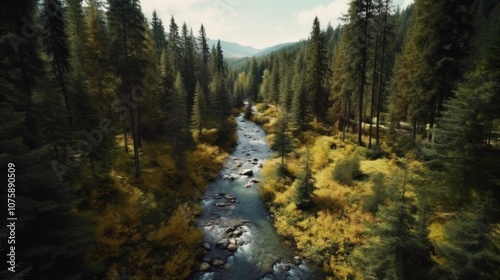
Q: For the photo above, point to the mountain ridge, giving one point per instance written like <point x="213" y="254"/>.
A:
<point x="236" y="50"/>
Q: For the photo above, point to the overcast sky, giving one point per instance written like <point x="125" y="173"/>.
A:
<point x="256" y="23"/>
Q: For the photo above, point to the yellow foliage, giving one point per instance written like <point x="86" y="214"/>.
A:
<point x="320" y="152"/>
<point x="373" y="166"/>
<point x="151" y="248"/>
<point x="179" y="229"/>
<point x="436" y="233"/>
<point x="180" y="266"/>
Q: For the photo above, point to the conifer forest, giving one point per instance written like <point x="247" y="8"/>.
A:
<point x="133" y="147"/>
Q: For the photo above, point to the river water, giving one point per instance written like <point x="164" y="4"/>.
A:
<point x="234" y="213"/>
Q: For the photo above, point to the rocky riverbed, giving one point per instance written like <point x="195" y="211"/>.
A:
<point x="240" y="241"/>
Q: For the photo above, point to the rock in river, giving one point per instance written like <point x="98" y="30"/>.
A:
<point x="223" y="243"/>
<point x="217" y="262"/>
<point x="247" y="172"/>
<point x="206" y="246"/>
<point x="232" y="247"/>
<point x="237" y="232"/>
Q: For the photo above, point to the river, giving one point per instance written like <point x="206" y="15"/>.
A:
<point x="240" y="238"/>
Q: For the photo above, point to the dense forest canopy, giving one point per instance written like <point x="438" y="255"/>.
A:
<point x="385" y="127"/>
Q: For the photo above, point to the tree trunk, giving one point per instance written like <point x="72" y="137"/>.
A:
<point x="374" y="86"/>
<point x="125" y="139"/>
<point x="363" y="77"/>
<point x="133" y="123"/>
<point x="381" y="80"/>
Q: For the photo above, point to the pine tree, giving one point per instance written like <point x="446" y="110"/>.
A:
<point x="274" y="81"/>
<point x="460" y="140"/>
<point x="305" y="185"/>
<point x="52" y="238"/>
<point x="341" y="87"/>
<point x="204" y="61"/>
<point x="317" y="72"/>
<point x="101" y="81"/>
<point x="55" y="238"/>
<point x="300" y="110"/>
<point x="56" y="48"/>
<point x="387" y="35"/>
<point x="252" y="81"/>
<point x="199" y="109"/>
<point x="126" y="25"/>
<point x="283" y="141"/>
<point x="441" y="35"/>
<point x="174" y="45"/>
<point x="470" y="249"/>
<point x="392" y="250"/>
<point x="160" y="41"/>
<point x="188" y="64"/>
<point x="285" y="86"/>
<point x="358" y="26"/>
<point x="20" y="59"/>
<point x="177" y="124"/>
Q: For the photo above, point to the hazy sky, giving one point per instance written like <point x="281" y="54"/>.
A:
<point x="256" y="23"/>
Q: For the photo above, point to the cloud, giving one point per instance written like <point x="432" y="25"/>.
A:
<point x="329" y="13"/>
<point x="406" y="3"/>
<point x="215" y="15"/>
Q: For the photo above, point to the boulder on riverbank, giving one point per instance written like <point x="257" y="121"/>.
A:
<point x="204" y="266"/>
<point x="218" y="262"/>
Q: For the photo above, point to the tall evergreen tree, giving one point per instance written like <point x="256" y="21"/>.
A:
<point x="341" y="87"/>
<point x="177" y="124"/>
<point x="174" y="45"/>
<point x="300" y="110"/>
<point x="392" y="249"/>
<point x="283" y="141"/>
<point x="188" y="64"/>
<point x="56" y="47"/>
<point x="305" y="185"/>
<point x="52" y="239"/>
<point x="159" y="36"/>
<point x="317" y="72"/>
<point x="470" y="249"/>
<point x="204" y="61"/>
<point x="126" y="25"/>
<point x="199" y="109"/>
<point x="441" y="35"/>
<point x="252" y="81"/>
<point x="358" y="28"/>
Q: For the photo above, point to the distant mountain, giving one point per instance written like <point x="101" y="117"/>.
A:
<point x="269" y="50"/>
<point x="235" y="50"/>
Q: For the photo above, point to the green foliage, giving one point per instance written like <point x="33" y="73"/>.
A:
<point x="305" y="185"/>
<point x="470" y="249"/>
<point x="300" y="110"/>
<point x="317" y="72"/>
<point x="282" y="141"/>
<point x="347" y="169"/>
<point x="199" y="110"/>
<point x="379" y="194"/>
<point x="375" y="152"/>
